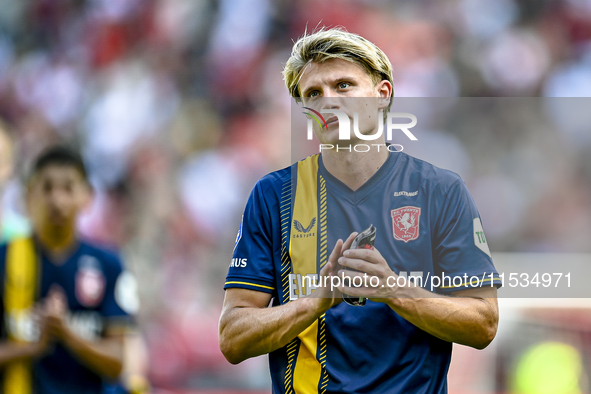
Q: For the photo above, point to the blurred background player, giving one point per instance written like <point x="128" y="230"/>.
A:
<point x="12" y="224"/>
<point x="64" y="314"/>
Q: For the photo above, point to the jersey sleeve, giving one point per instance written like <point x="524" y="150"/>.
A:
<point x="461" y="253"/>
<point x="120" y="301"/>
<point x="251" y="266"/>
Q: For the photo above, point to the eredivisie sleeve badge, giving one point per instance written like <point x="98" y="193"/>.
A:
<point x="405" y="223"/>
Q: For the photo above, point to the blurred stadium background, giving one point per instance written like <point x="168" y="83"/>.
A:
<point x="179" y="107"/>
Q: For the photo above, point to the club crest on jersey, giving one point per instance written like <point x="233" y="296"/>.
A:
<point x="405" y="223"/>
<point x="90" y="282"/>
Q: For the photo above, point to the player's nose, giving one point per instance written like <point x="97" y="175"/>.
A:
<point x="59" y="199"/>
<point x="331" y="100"/>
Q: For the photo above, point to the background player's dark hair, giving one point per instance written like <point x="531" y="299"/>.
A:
<point x="60" y="155"/>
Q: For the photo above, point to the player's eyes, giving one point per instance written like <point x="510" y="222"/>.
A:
<point x="344" y="85"/>
<point x="313" y="94"/>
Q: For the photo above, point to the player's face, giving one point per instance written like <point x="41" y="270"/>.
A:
<point x="56" y="195"/>
<point x="345" y="86"/>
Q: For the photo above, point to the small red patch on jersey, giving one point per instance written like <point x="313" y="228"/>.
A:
<point x="405" y="223"/>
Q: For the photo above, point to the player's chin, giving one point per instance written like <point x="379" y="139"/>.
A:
<point x="58" y="219"/>
<point x="328" y="136"/>
<point x="337" y="146"/>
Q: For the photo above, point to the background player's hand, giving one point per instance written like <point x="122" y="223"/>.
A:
<point x="44" y="344"/>
<point x="329" y="297"/>
<point x="55" y="309"/>
<point x="368" y="263"/>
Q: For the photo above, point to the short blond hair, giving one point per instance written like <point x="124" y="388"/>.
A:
<point x="335" y="43"/>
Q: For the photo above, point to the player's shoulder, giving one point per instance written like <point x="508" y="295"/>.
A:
<point x="4" y="246"/>
<point x="279" y="179"/>
<point x="274" y="182"/>
<point x="429" y="176"/>
<point x="275" y="178"/>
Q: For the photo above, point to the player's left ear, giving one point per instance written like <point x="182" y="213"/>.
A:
<point x="384" y="90"/>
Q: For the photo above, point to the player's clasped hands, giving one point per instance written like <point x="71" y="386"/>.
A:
<point x="50" y="315"/>
<point x="355" y="272"/>
<point x="325" y="290"/>
<point x="55" y="311"/>
<point x="365" y="273"/>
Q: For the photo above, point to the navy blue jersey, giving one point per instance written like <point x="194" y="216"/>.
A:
<point x="427" y="225"/>
<point x="88" y="278"/>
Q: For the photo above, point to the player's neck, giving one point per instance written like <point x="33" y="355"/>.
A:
<point x="354" y="168"/>
<point x="57" y="241"/>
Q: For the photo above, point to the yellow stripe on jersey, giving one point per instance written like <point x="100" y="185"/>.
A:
<point x="307" y="368"/>
<point x="20" y="287"/>
<point x="303" y="246"/>
<point x="249" y="284"/>
<point x="303" y="253"/>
